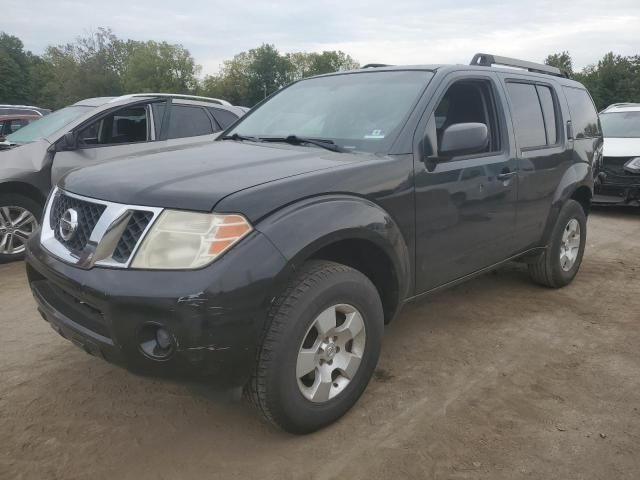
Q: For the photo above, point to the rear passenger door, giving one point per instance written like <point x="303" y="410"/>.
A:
<point x="465" y="205"/>
<point x="537" y="121"/>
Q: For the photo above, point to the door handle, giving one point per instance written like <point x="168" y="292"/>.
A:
<point x="505" y="175"/>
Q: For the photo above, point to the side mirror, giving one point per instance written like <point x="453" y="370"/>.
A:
<point x="464" y="138"/>
<point x="69" y="141"/>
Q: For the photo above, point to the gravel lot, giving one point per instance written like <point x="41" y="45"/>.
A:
<point x="495" y="379"/>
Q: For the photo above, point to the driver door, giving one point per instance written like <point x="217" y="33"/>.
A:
<point x="465" y="204"/>
<point x="116" y="134"/>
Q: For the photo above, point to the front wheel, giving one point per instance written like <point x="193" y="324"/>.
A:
<point x="320" y="348"/>
<point x="19" y="217"/>
<point x="561" y="261"/>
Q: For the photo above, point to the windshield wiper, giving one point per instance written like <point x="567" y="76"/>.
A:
<point x="240" y="138"/>
<point x="295" y="140"/>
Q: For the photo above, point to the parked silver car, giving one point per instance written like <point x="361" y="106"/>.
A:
<point x="88" y="132"/>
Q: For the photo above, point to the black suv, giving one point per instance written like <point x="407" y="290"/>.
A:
<point x="273" y="257"/>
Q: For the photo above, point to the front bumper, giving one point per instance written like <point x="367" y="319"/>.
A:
<point x="614" y="186"/>
<point x="214" y="315"/>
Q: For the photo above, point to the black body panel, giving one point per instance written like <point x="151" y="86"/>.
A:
<point x="215" y="314"/>
<point x="437" y="219"/>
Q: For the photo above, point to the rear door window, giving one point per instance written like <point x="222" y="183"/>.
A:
<point x="584" y="117"/>
<point x="188" y="121"/>
<point x="527" y="115"/>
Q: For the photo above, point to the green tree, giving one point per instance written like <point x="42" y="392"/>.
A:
<point x="308" y="64"/>
<point x="251" y="76"/>
<point x="267" y="72"/>
<point x="614" y="79"/>
<point x="84" y="68"/>
<point x="14" y="70"/>
<point x="156" y="67"/>
<point x="561" y="60"/>
<point x="232" y="83"/>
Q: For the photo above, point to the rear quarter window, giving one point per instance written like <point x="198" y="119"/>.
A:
<point x="188" y="121"/>
<point x="224" y="118"/>
<point x="584" y="117"/>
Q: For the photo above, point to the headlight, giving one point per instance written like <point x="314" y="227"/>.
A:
<point x="188" y="240"/>
<point x="633" y="165"/>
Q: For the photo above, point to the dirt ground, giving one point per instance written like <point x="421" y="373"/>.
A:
<point x="495" y="379"/>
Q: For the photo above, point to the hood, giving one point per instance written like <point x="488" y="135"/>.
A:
<point x="29" y="157"/>
<point x="621" y="147"/>
<point x="198" y="177"/>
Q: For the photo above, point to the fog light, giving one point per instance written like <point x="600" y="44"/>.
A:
<point x="156" y="342"/>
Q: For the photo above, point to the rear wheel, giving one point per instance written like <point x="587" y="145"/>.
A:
<point x="561" y="261"/>
<point x="320" y="347"/>
<point x="19" y="219"/>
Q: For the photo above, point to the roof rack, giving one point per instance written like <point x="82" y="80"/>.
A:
<point x="25" y="107"/>
<point x="376" y="65"/>
<point x="622" y="104"/>
<point x="172" y="95"/>
<point x="487" y="60"/>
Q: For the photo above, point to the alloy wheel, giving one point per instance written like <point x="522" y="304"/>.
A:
<point x="331" y="352"/>
<point x="16" y="226"/>
<point x="570" y="245"/>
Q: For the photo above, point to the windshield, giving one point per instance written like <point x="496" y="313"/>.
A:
<point x="621" y="124"/>
<point x="45" y="126"/>
<point x="358" y="111"/>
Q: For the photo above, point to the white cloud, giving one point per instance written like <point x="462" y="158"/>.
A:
<point x="396" y="31"/>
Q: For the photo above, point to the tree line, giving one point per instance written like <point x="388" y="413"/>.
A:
<point x="614" y="79"/>
<point x="101" y="64"/>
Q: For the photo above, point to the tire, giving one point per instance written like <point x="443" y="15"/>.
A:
<point x="10" y="206"/>
<point x="298" y="405"/>
<point x="553" y="269"/>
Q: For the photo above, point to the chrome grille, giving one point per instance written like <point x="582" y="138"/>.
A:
<point x="115" y="230"/>
<point x="88" y="216"/>
<point x="615" y="166"/>
<point x="131" y="236"/>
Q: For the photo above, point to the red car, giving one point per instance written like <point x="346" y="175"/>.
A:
<point x="12" y="123"/>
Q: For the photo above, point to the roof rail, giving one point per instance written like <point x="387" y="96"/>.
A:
<point x="172" y="95"/>
<point x="6" y="105"/>
<point x="25" y="107"/>
<point x="376" y="65"/>
<point x="622" y="104"/>
<point x="487" y="60"/>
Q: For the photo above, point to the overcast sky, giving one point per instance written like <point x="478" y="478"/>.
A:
<point x="391" y="31"/>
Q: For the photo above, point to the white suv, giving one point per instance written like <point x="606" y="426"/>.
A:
<point x="618" y="175"/>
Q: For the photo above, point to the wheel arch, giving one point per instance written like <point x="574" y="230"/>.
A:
<point x="22" y="188"/>
<point x="576" y="184"/>
<point x="348" y="230"/>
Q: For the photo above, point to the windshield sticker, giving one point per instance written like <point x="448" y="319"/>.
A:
<point x="377" y="133"/>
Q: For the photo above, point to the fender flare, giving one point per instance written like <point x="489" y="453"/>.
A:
<point x="576" y="176"/>
<point x="304" y="227"/>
